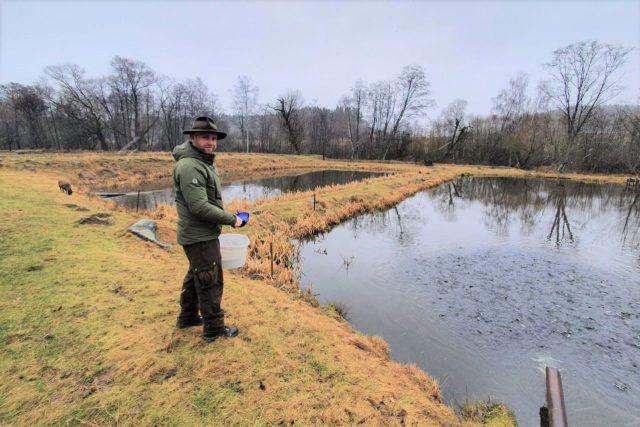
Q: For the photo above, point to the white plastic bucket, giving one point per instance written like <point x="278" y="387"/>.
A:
<point x="233" y="248"/>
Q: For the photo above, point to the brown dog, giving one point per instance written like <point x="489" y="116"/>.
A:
<point x="65" y="186"/>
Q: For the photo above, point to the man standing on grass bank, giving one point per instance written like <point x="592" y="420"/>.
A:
<point x="201" y="216"/>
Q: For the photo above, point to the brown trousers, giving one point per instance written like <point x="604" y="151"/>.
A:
<point x="202" y="286"/>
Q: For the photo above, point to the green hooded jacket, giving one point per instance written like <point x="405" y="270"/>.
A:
<point x="198" y="196"/>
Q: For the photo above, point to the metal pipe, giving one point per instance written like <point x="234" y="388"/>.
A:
<point x="555" y="398"/>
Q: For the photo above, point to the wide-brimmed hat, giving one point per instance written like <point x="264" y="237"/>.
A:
<point x="204" y="124"/>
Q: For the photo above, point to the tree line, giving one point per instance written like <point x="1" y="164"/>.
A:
<point x="566" y="124"/>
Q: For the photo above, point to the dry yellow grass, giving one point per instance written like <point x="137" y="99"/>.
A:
<point x="88" y="311"/>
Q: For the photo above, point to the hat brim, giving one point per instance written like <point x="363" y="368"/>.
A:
<point x="221" y="135"/>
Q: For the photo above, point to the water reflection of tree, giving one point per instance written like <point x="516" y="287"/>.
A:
<point x="399" y="218"/>
<point x="446" y="195"/>
<point x="293" y="184"/>
<point x="500" y="199"/>
<point x="381" y="223"/>
<point x="499" y="207"/>
<point x="309" y="181"/>
<point x="559" y="199"/>
<point x="632" y="219"/>
<point x="505" y="199"/>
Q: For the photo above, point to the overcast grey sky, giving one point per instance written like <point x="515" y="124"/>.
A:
<point x="469" y="50"/>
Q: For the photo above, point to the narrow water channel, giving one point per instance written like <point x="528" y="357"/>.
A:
<point x="153" y="194"/>
<point x="483" y="282"/>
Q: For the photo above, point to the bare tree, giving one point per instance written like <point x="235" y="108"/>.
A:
<point x="456" y="128"/>
<point x="199" y="100"/>
<point x="180" y="102"/>
<point x="289" y="106"/>
<point x="583" y="77"/>
<point x="391" y="104"/>
<point x="373" y="105"/>
<point x="321" y="129"/>
<point x="381" y="104"/>
<point x="51" y="115"/>
<point x="512" y="103"/>
<point x="81" y="100"/>
<point x="245" y="99"/>
<point x="30" y="104"/>
<point x="10" y="129"/>
<point x="414" y="98"/>
<point x="512" y="109"/>
<point x="630" y="117"/>
<point x="130" y="84"/>
<point x="269" y="129"/>
<point x="354" y="106"/>
<point x="168" y="109"/>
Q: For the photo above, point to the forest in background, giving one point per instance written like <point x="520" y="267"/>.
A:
<point x="565" y="121"/>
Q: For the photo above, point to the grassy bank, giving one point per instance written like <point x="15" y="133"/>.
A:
<point x="87" y="315"/>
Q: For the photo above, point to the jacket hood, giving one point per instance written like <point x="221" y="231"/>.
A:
<point x="187" y="150"/>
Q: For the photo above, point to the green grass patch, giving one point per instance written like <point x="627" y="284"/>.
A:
<point x="488" y="413"/>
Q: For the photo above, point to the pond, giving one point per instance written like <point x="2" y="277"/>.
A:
<point x="484" y="281"/>
<point x="153" y="194"/>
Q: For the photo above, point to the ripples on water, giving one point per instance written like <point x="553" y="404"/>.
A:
<point x="483" y="282"/>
